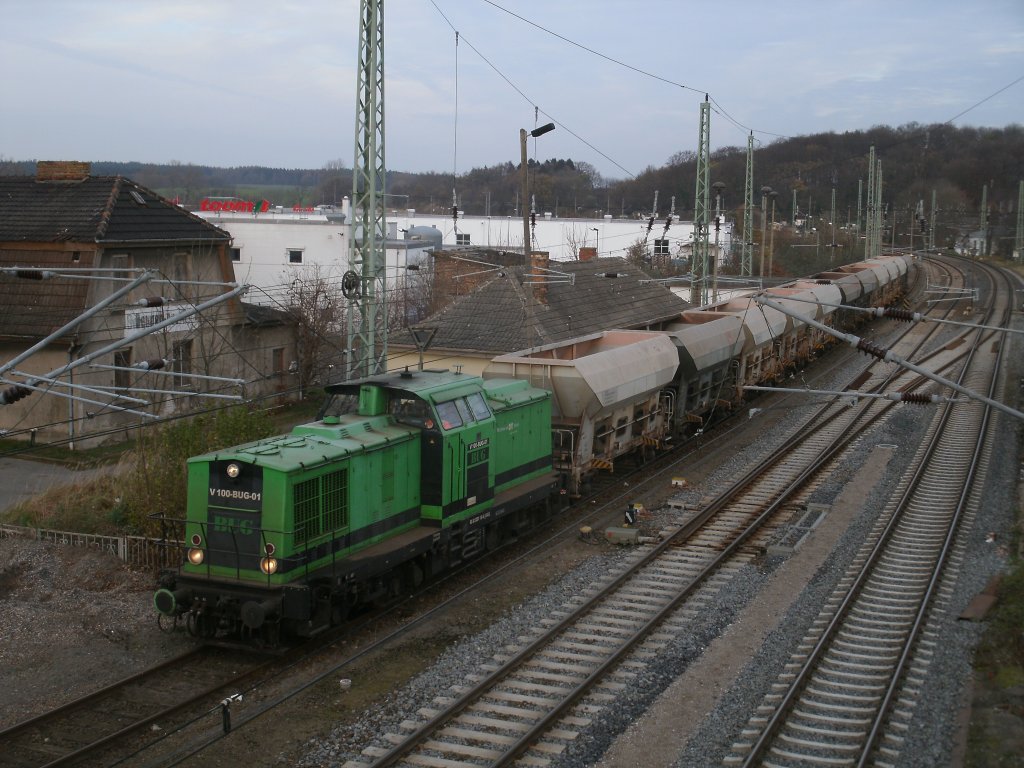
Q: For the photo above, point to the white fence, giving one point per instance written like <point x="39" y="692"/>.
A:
<point x="136" y="551"/>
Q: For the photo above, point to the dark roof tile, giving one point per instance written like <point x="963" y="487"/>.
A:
<point x="100" y="209"/>
<point x="507" y="314"/>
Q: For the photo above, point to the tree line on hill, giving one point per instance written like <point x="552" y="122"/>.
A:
<point x="957" y="163"/>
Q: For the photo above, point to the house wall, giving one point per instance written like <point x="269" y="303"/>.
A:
<point x="218" y="344"/>
<point x="400" y="357"/>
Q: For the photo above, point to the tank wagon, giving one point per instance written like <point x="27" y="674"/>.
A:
<point x="404" y="475"/>
<point x="400" y="477"/>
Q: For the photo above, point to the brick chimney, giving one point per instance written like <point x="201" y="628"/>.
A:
<point x="61" y="170"/>
<point x="539" y="283"/>
<point x="588" y="252"/>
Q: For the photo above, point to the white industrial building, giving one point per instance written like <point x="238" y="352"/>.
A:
<point x="272" y="246"/>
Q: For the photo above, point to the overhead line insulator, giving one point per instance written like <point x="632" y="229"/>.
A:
<point x="13" y="394"/>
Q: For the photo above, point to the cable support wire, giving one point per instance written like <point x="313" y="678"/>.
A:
<point x="901" y="315"/>
<point x="888" y="356"/>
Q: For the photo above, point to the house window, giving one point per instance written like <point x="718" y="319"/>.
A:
<point x="462" y="238"/>
<point x="236" y="254"/>
<point x="294" y="255"/>
<point x="661" y="248"/>
<point x="277" y="360"/>
<point x="182" y="362"/>
<point x="122" y="359"/>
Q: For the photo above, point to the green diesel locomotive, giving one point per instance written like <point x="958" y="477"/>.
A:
<point x="401" y="477"/>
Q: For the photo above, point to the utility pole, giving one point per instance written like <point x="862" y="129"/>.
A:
<point x="857" y="227"/>
<point x="833" y="222"/>
<point x="365" y="284"/>
<point x="984" y="220"/>
<point x="876" y="247"/>
<point x="699" y="263"/>
<point x="1018" y="243"/>
<point x="869" y="215"/>
<point x="931" y="225"/>
<point x="747" y="252"/>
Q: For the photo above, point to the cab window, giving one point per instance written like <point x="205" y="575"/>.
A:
<point x="479" y="407"/>
<point x="410" y="410"/>
<point x="449" y="415"/>
<point x="464" y="412"/>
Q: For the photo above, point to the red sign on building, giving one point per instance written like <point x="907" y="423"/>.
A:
<point x="234" y="206"/>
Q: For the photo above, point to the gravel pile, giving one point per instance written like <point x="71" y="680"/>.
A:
<point x="932" y="734"/>
<point x="74" y="619"/>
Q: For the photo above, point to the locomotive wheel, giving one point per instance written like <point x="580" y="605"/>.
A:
<point x="201" y="625"/>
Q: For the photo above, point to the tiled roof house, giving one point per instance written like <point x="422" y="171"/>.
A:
<point x="68" y="240"/>
<point x="513" y="306"/>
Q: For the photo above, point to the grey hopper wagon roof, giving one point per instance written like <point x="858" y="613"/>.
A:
<point x="798" y="310"/>
<point x="706" y="343"/>
<point x="865" y="272"/>
<point x="849" y="284"/>
<point x="760" y="324"/>
<point x="891" y="264"/>
<point x="592" y="375"/>
<point x="902" y="264"/>
<point x="820" y="300"/>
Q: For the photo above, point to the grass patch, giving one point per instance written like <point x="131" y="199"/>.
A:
<point x="1003" y="644"/>
<point x="996" y="734"/>
<point x="95" y="506"/>
<point x="150" y="473"/>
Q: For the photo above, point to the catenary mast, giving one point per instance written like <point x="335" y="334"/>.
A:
<point x="365" y="284"/>
<point x="747" y="253"/>
<point x="699" y="260"/>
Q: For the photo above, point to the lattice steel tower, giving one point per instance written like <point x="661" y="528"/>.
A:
<point x="699" y="261"/>
<point x="365" y="285"/>
<point x="747" y="252"/>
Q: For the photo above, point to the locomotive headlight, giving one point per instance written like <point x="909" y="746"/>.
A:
<point x="233" y="470"/>
<point x="195" y="556"/>
<point x="268" y="565"/>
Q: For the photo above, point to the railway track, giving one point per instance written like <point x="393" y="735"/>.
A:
<point x="695" y="566"/>
<point x="82" y="730"/>
<point x="533" y="701"/>
<point x="847" y="695"/>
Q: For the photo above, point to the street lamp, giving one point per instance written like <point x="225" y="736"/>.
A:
<point x="765" y="191"/>
<point x="526" y="181"/>
<point x="597" y="242"/>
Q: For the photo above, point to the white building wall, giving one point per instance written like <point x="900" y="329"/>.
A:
<point x="264" y="240"/>
<point x="562" y="238"/>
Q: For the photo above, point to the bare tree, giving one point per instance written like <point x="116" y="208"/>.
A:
<point x="636" y="254"/>
<point x="317" y="306"/>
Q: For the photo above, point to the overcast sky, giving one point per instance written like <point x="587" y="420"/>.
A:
<point x="272" y="83"/>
